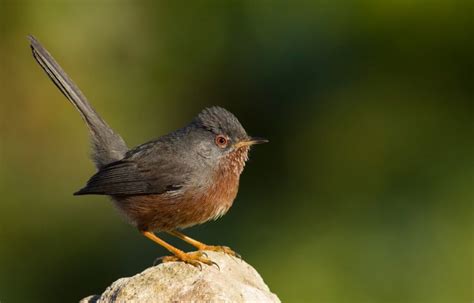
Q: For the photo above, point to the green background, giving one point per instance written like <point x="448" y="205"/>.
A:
<point x="363" y="195"/>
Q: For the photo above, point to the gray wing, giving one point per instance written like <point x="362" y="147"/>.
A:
<point x="136" y="177"/>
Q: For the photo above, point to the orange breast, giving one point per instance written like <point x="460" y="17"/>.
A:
<point x="195" y="206"/>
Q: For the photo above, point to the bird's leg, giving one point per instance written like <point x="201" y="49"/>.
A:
<point x="193" y="258"/>
<point x="202" y="246"/>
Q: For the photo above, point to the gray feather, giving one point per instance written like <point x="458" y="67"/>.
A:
<point x="107" y="145"/>
<point x="150" y="168"/>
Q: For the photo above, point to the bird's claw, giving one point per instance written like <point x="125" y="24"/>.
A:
<point x="217" y="265"/>
<point x="158" y="260"/>
<point x="195" y="258"/>
<point x="224" y="249"/>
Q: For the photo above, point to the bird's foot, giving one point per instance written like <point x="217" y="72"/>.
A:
<point x="218" y="248"/>
<point x="195" y="258"/>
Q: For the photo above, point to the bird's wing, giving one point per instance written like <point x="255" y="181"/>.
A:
<point x="136" y="177"/>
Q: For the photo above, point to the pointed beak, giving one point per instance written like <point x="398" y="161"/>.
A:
<point x="250" y="141"/>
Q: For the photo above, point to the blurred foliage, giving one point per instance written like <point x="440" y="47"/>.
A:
<point x="363" y="195"/>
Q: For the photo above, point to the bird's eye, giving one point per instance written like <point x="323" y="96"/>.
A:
<point x="221" y="141"/>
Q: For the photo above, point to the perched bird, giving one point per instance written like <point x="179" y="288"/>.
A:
<point x="181" y="179"/>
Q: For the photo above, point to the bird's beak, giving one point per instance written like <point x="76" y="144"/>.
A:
<point x="250" y="141"/>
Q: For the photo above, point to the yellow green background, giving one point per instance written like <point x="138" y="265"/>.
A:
<point x="364" y="193"/>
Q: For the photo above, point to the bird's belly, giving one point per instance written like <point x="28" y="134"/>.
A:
<point x="167" y="211"/>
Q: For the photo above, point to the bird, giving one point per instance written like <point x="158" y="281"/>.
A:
<point x="184" y="178"/>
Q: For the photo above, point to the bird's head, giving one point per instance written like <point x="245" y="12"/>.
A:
<point x="224" y="136"/>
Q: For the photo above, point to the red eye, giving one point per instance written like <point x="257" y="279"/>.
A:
<point x="221" y="141"/>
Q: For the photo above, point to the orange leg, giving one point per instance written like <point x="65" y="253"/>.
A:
<point x="193" y="258"/>
<point x="202" y="246"/>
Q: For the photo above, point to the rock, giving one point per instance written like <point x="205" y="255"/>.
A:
<point x="234" y="281"/>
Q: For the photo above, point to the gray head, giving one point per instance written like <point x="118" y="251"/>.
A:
<point x="223" y="134"/>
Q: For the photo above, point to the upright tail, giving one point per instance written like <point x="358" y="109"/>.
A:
<point x="106" y="144"/>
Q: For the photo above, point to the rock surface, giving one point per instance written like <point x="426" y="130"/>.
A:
<point x="234" y="281"/>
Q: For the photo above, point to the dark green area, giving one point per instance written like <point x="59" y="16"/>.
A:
<point x="364" y="194"/>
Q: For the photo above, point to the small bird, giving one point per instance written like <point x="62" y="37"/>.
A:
<point x="184" y="178"/>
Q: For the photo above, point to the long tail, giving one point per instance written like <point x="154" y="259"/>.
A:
<point x="107" y="145"/>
